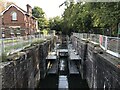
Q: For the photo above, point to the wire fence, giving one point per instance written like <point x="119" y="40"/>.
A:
<point x="107" y="43"/>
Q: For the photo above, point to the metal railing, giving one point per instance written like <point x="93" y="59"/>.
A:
<point x="15" y="44"/>
<point x="110" y="44"/>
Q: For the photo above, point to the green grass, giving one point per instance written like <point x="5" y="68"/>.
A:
<point x="14" y="47"/>
<point x="37" y="41"/>
<point x="10" y="41"/>
<point x="21" y="45"/>
<point x="3" y="57"/>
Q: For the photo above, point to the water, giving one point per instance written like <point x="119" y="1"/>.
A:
<point x="63" y="71"/>
<point x="63" y="66"/>
<point x="63" y="80"/>
<point x="49" y="82"/>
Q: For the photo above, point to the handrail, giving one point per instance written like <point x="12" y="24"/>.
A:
<point x="110" y="44"/>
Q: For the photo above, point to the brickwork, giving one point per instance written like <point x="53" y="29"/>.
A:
<point x="23" y="21"/>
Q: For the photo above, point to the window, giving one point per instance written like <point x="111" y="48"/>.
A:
<point x="14" y="15"/>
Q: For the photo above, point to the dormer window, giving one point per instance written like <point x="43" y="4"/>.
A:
<point x="14" y="16"/>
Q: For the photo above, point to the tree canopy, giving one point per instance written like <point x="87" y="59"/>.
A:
<point x="4" y="4"/>
<point x="89" y="17"/>
<point x="56" y="23"/>
<point x="95" y="17"/>
<point x="38" y="13"/>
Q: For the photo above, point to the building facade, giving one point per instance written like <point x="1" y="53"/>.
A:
<point x="15" y="21"/>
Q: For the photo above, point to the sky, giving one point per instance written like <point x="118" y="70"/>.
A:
<point x="50" y="7"/>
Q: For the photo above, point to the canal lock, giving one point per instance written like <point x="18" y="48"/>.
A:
<point x="58" y="76"/>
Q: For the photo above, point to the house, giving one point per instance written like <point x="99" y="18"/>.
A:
<point x="17" y="21"/>
<point x="0" y="21"/>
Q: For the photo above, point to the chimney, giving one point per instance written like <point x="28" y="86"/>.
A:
<point x="29" y="9"/>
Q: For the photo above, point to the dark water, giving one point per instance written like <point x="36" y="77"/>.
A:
<point x="62" y="80"/>
<point x="76" y="82"/>
<point x="49" y="82"/>
<point x="63" y="66"/>
<point x="72" y="82"/>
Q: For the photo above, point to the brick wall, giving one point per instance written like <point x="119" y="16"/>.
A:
<point x="24" y="21"/>
<point x="7" y="19"/>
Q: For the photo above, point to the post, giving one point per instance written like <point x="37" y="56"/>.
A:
<point x="106" y="39"/>
<point x="13" y="42"/>
<point x="0" y="44"/>
<point x="117" y="49"/>
<point x="119" y="30"/>
<point x="0" y="57"/>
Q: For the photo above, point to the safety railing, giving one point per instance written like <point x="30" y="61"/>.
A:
<point x="109" y="44"/>
<point x="15" y="44"/>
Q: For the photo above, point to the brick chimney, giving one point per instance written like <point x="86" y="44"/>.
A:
<point x="29" y="9"/>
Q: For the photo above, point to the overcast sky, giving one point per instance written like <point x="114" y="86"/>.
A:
<point x="50" y="7"/>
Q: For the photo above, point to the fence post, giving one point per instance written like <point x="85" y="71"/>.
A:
<point x="106" y="39"/>
<point x="21" y="42"/>
<point x="2" y="46"/>
<point x="13" y="43"/>
<point x="30" y="38"/>
<point x="117" y="48"/>
<point x="2" y="42"/>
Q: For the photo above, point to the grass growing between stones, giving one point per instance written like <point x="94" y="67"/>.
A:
<point x="3" y="57"/>
<point x="10" y="50"/>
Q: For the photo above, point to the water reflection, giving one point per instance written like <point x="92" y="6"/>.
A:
<point x="63" y="69"/>
<point x="63" y="82"/>
<point x="62" y="65"/>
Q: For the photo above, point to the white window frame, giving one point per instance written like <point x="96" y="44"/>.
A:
<point x="14" y="16"/>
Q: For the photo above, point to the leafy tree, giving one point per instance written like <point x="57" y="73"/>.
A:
<point x="84" y="17"/>
<point x="55" y="23"/>
<point x="4" y="4"/>
<point x="38" y="12"/>
<point x="40" y="15"/>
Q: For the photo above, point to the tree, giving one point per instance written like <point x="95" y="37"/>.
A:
<point x="55" y="23"/>
<point x="38" y="13"/>
<point x="83" y="17"/>
<point x="4" y="4"/>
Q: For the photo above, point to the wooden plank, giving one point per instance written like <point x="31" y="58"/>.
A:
<point x="74" y="56"/>
<point x="73" y="68"/>
<point x="72" y="53"/>
<point x="62" y="50"/>
<point x="53" y="69"/>
<point x="52" y="56"/>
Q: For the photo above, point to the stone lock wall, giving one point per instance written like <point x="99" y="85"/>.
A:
<point x="26" y="70"/>
<point x="44" y="50"/>
<point x="109" y="76"/>
<point x="99" y="68"/>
